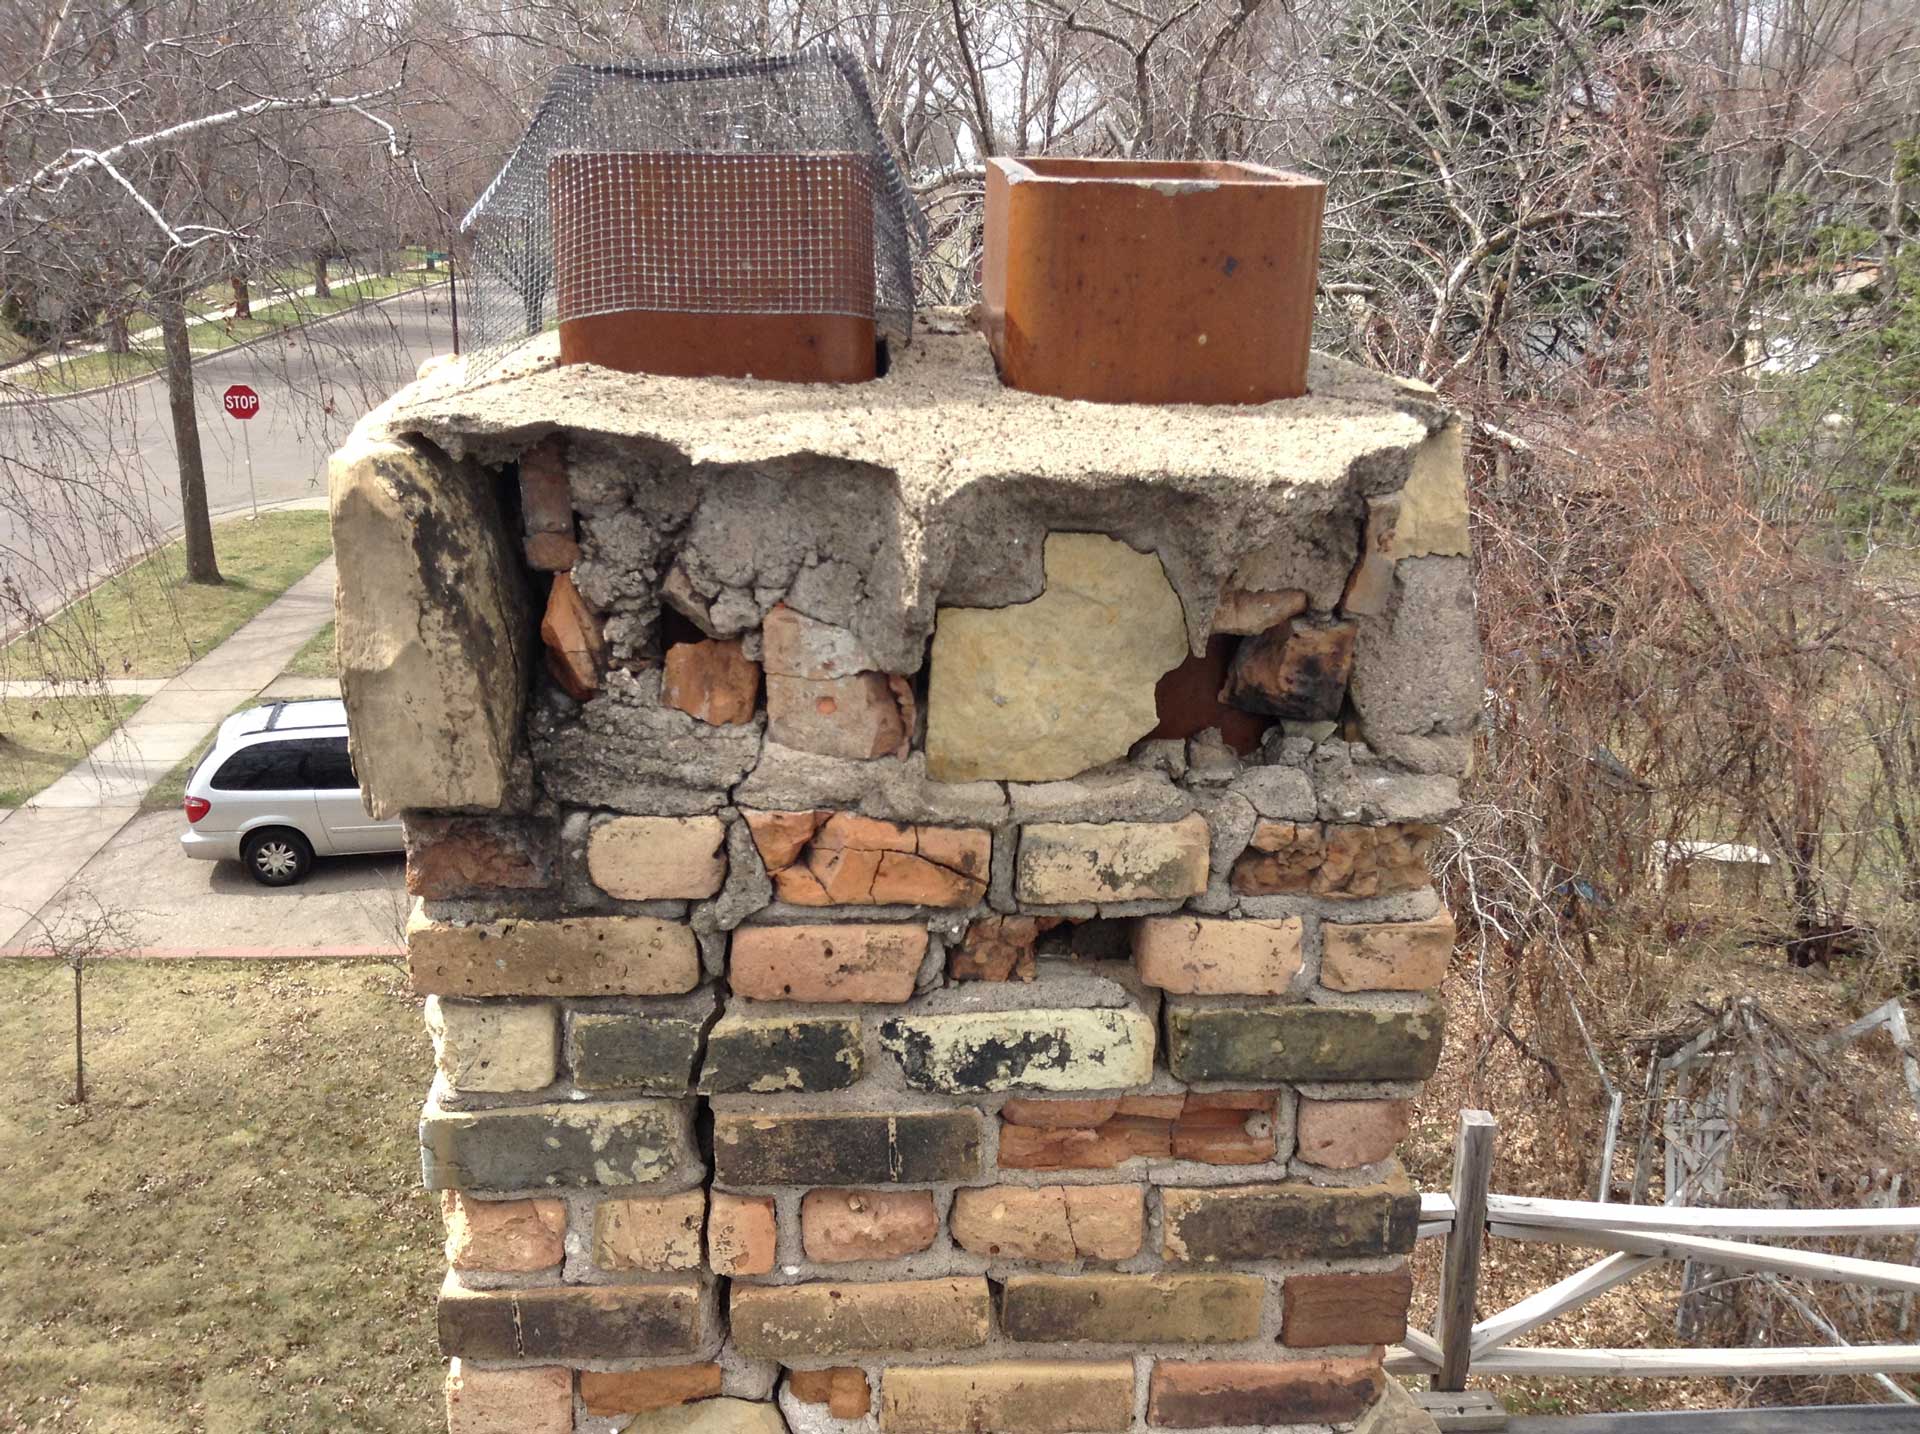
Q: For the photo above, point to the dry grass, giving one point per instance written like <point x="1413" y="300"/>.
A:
<point x="1550" y="1134"/>
<point x="230" y="1238"/>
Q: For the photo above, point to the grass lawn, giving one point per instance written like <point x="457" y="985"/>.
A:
<point x="41" y="737"/>
<point x="230" y="1237"/>
<point x="317" y="658"/>
<point x="275" y="312"/>
<point x="149" y="622"/>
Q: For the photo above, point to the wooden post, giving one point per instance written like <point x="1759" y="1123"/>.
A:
<point x="1460" y="1274"/>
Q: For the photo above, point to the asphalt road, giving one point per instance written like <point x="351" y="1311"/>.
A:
<point x="86" y="480"/>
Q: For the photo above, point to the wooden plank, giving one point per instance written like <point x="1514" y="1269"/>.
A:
<point x="1731" y="1254"/>
<point x="1800" y="1419"/>
<point x="1555" y="1300"/>
<point x="1466" y="1411"/>
<point x="1671" y="1363"/>
<point x="1460" y="1270"/>
<point x="1590" y="1214"/>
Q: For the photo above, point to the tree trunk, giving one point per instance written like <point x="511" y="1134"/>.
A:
<point x="119" y="341"/>
<point x="201" y="564"/>
<point x="79" y="1040"/>
<point x="321" y="289"/>
<point x="242" y="301"/>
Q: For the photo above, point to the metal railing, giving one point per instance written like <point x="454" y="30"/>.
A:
<point x="1636" y="1237"/>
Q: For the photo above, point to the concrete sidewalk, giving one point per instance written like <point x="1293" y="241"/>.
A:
<point x="45" y="844"/>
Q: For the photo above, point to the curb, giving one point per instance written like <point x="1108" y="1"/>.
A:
<point x="124" y="383"/>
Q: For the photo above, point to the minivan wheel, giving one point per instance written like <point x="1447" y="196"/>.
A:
<point x="277" y="856"/>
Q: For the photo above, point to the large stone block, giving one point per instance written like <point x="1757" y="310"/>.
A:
<point x="575" y="1322"/>
<point x="1288" y="1221"/>
<point x="968" y="1052"/>
<point x="711" y="1416"/>
<point x="571" y="956"/>
<point x="1132" y="1309"/>
<point x="850" y="1148"/>
<point x="1033" y="1396"/>
<point x="865" y="962"/>
<point x="531" y="1147"/>
<point x="1300" y="1042"/>
<point x="1065" y="862"/>
<point x="1233" y="1394"/>
<point x="819" y="1321"/>
<point x="1048" y="688"/>
<point x="792" y="1051"/>
<point x="435" y="636"/>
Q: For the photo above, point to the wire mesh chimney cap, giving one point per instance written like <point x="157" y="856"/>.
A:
<point x="702" y="252"/>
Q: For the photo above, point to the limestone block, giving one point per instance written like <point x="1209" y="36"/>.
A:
<point x="435" y="639"/>
<point x="494" y="1045"/>
<point x="1433" y="503"/>
<point x="657" y="858"/>
<point x="1064" y="862"/>
<point x="1046" y="689"/>
<point x="1198" y="956"/>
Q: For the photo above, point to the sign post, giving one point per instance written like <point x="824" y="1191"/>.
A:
<point x="243" y="403"/>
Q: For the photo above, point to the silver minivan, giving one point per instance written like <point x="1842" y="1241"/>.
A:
<point x="277" y="789"/>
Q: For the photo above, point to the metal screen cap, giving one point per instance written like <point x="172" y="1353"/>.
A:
<point x="759" y="184"/>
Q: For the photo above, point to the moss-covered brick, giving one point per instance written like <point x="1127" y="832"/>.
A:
<point x="1289" y="1221"/>
<point x="814" y="1321"/>
<point x="1132" y="1309"/>
<point x="854" y="1148"/>
<point x="535" y="1147"/>
<point x="1206" y="1041"/>
<point x="762" y="1054"/>
<point x="576" y="1322"/>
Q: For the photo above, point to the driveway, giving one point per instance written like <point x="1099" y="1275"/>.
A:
<point x="173" y="905"/>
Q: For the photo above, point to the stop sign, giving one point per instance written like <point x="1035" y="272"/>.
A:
<point x="242" y="402"/>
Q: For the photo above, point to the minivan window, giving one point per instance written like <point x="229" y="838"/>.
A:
<point x="267" y="767"/>
<point x="328" y="766"/>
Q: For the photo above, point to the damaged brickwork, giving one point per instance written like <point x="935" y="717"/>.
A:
<point x="922" y="887"/>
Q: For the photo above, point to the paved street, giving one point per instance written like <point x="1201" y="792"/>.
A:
<point x="113" y="451"/>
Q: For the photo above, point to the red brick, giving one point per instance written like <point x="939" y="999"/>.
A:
<point x="843" y="1389"/>
<point x="1388" y="956"/>
<point x="449" y="858"/>
<point x="855" y="962"/>
<point x="576" y="653"/>
<point x="714" y="681"/>
<point x="1197" y="956"/>
<point x="635" y="1391"/>
<point x="1343" y="862"/>
<point x="515" y="1235"/>
<point x="1341" y="1134"/>
<point x="509" y="1401"/>
<point x="837" y="1226"/>
<point x="742" y="1236"/>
